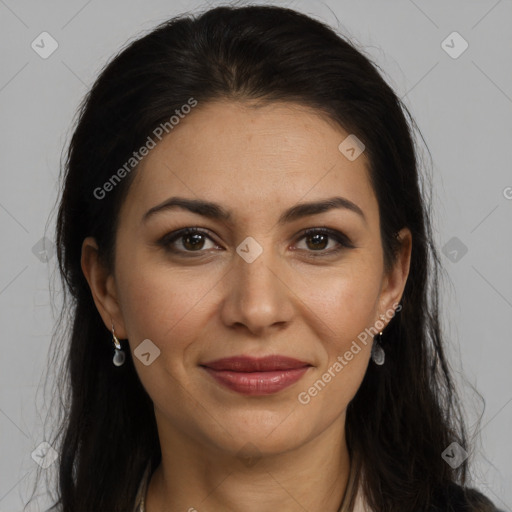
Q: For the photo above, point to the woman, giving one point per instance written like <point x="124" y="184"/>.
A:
<point x="255" y="319"/>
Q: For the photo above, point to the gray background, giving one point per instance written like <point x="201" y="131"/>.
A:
<point x="462" y="105"/>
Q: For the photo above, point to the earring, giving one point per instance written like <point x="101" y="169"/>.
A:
<point x="378" y="354"/>
<point x="119" y="356"/>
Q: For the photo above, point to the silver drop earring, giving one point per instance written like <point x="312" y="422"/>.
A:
<point x="119" y="356"/>
<point x="378" y="354"/>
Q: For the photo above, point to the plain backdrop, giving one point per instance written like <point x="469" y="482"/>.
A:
<point x="462" y="103"/>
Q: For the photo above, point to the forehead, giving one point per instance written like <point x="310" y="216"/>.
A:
<point x="246" y="154"/>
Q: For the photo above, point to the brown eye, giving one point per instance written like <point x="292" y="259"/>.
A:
<point x="186" y="240"/>
<point x="317" y="240"/>
<point x="193" y="241"/>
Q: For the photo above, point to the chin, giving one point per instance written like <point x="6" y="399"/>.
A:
<point x="267" y="434"/>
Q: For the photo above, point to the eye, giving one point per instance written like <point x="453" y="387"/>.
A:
<point x="317" y="240"/>
<point x="190" y="240"/>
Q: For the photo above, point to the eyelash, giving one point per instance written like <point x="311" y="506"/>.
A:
<point x="343" y="241"/>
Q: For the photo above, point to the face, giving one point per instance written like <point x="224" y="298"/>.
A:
<point x="252" y="283"/>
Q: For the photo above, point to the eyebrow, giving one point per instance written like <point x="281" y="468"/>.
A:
<point x="217" y="212"/>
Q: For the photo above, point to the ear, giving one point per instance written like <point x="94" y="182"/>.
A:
<point x="103" y="288"/>
<point x="394" y="281"/>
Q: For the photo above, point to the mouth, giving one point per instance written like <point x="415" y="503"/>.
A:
<point x="256" y="376"/>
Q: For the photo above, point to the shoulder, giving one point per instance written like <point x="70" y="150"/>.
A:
<point x="462" y="499"/>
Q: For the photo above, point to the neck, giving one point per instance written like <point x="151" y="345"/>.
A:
<point x="195" y="477"/>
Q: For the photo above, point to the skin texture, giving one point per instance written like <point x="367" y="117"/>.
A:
<point x="256" y="161"/>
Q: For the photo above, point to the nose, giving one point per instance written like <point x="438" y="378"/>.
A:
<point x="257" y="298"/>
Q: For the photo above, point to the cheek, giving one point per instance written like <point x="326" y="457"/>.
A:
<point x="344" y="305"/>
<point x="344" y="299"/>
<point x="162" y="305"/>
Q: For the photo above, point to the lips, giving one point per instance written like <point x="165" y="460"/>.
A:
<point x="254" y="364"/>
<point x="256" y="376"/>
